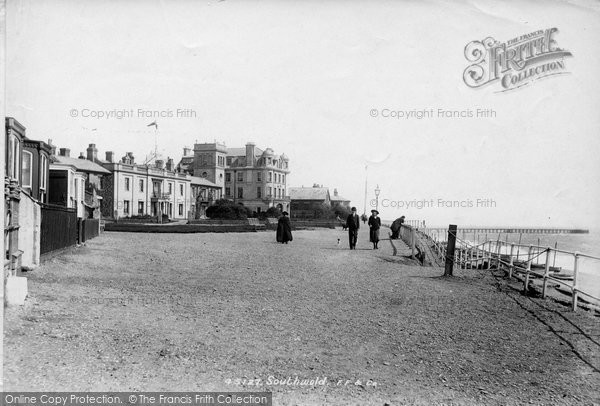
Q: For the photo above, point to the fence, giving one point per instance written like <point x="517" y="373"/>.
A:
<point x="90" y="229"/>
<point x="527" y="262"/>
<point x="58" y="228"/>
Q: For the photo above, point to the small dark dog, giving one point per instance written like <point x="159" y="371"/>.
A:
<point x="344" y="226"/>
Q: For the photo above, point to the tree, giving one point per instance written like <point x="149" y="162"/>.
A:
<point x="341" y="211"/>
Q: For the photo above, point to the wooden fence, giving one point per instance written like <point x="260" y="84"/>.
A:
<point x="58" y="228"/>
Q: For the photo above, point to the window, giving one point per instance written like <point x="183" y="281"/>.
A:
<point x="227" y="191"/>
<point x="127" y="184"/>
<point x="227" y="176"/>
<point x="140" y="207"/>
<point x="270" y="176"/>
<point x="126" y="207"/>
<point x="180" y="190"/>
<point x="229" y="160"/>
<point x="141" y="185"/>
<point x="258" y="192"/>
<point x="181" y="209"/>
<point x="13" y="161"/>
<point x="240" y="176"/>
<point x="259" y="176"/>
<point x="76" y="189"/>
<point x="27" y="172"/>
<point x="44" y="174"/>
<point x="283" y="178"/>
<point x="269" y="189"/>
<point x="240" y="193"/>
<point x="170" y="188"/>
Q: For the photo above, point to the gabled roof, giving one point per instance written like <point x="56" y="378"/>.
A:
<point x="309" y="193"/>
<point x="82" y="165"/>
<point x="197" y="180"/>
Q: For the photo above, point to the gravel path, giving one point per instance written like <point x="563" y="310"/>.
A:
<point x="222" y="311"/>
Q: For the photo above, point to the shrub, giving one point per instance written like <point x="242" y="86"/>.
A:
<point x="225" y="209"/>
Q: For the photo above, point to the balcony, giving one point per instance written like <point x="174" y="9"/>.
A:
<point x="161" y="196"/>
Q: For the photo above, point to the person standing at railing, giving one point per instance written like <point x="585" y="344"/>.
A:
<point x="353" y="224"/>
<point x="396" y="226"/>
<point x="374" y="226"/>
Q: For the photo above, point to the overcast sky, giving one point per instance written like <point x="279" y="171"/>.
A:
<point x="306" y="78"/>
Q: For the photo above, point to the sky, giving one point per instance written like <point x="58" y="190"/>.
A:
<point x="324" y="82"/>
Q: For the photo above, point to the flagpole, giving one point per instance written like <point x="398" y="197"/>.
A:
<point x="366" y="176"/>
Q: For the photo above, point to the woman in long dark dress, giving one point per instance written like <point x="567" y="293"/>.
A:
<point x="374" y="225"/>
<point x="284" y="229"/>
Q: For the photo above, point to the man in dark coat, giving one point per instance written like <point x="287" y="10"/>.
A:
<point x="353" y="224"/>
<point x="374" y="225"/>
<point x="396" y="225"/>
<point x="284" y="229"/>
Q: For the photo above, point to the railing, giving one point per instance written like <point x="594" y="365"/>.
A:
<point x="525" y="261"/>
<point x="162" y="196"/>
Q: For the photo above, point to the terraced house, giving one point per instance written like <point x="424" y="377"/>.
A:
<point x="148" y="189"/>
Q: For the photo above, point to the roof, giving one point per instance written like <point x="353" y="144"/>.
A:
<point x="197" y="180"/>
<point x="309" y="193"/>
<point x="339" y="198"/>
<point x="242" y="151"/>
<point x="82" y="165"/>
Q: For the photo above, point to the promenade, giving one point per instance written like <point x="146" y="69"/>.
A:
<point x="202" y="312"/>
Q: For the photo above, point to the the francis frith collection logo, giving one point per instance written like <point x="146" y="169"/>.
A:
<point x="514" y="63"/>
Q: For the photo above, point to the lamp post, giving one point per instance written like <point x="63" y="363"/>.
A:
<point x="377" y="191"/>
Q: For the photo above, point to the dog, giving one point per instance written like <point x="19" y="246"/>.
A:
<point x="344" y="226"/>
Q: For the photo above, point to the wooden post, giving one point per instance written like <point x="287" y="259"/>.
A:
<point x="511" y="267"/>
<point x="574" y="289"/>
<point x="450" y="249"/>
<point x="546" y="274"/>
<point x="526" y="287"/>
<point x="413" y="242"/>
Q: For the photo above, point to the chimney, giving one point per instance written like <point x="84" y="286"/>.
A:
<point x="52" y="147"/>
<point x="92" y="153"/>
<point x="335" y="192"/>
<point x="187" y="151"/>
<point x="81" y="156"/>
<point x="66" y="152"/>
<point x="159" y="163"/>
<point x="170" y="164"/>
<point x="250" y="154"/>
<point x="131" y="159"/>
<point x="110" y="156"/>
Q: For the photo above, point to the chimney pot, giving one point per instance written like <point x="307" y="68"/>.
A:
<point x="92" y="153"/>
<point x="66" y="152"/>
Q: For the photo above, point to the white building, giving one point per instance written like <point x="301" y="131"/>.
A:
<point x="144" y="190"/>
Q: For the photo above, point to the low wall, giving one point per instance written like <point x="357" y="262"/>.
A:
<point x="306" y="224"/>
<point x="219" y="221"/>
<point x="183" y="228"/>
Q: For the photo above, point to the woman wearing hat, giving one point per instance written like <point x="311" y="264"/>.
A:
<point x="284" y="229"/>
<point x="374" y="225"/>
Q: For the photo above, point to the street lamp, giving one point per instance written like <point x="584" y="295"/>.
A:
<point x="377" y="190"/>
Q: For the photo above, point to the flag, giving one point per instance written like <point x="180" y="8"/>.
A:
<point x="153" y="124"/>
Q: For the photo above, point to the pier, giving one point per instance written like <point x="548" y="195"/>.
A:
<point x="420" y="224"/>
